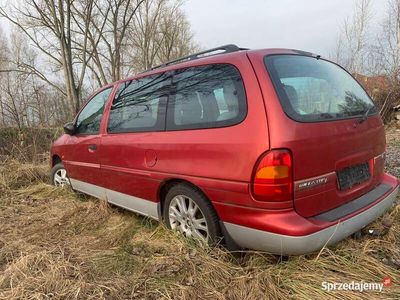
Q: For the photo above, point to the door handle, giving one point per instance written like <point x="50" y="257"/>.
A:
<point x="92" y="148"/>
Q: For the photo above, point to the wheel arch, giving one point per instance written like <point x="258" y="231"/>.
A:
<point x="55" y="159"/>
<point x="167" y="184"/>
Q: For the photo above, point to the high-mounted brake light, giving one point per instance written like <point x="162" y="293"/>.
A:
<point x="273" y="179"/>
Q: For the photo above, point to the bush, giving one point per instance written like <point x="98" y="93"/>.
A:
<point x="27" y="144"/>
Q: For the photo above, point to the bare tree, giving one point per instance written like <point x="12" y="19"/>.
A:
<point x="25" y="100"/>
<point x="49" y="25"/>
<point x="143" y="34"/>
<point x="75" y="45"/>
<point x="352" y="45"/>
<point x="176" y="38"/>
<point x="159" y="32"/>
<point x="387" y="50"/>
<point x="106" y="34"/>
<point x="14" y="88"/>
<point x="4" y="52"/>
<point x="386" y="54"/>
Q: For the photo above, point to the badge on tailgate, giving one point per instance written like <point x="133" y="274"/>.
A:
<point x="312" y="182"/>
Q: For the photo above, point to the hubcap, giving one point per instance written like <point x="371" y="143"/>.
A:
<point x="186" y="217"/>
<point x="61" y="178"/>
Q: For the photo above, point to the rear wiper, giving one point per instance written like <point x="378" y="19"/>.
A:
<point x="326" y="116"/>
<point x="365" y="115"/>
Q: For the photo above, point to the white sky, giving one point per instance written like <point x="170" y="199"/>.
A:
<point x="310" y="25"/>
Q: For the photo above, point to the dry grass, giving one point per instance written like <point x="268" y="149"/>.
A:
<point x="14" y="174"/>
<point x="61" y="245"/>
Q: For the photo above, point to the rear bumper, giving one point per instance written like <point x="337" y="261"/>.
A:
<point x="251" y="238"/>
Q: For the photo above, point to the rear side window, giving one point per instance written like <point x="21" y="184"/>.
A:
<point x="206" y="97"/>
<point x="312" y="89"/>
<point x="139" y="105"/>
<point x="89" y="119"/>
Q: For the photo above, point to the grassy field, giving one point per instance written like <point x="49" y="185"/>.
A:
<point x="57" y="244"/>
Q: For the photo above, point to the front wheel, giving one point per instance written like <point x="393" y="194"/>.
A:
<point x="58" y="176"/>
<point x="188" y="211"/>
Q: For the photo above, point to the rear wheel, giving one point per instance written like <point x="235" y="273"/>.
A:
<point x="188" y="211"/>
<point x="58" y="176"/>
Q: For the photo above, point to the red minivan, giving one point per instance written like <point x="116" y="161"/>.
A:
<point x="276" y="150"/>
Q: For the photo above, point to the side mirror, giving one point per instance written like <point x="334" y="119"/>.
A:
<point x="69" y="128"/>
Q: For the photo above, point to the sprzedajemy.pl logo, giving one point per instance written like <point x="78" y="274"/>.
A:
<point x="360" y="286"/>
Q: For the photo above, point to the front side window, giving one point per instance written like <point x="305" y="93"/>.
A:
<point x="139" y="105"/>
<point x="206" y="97"/>
<point x="89" y="119"/>
<point x="312" y="89"/>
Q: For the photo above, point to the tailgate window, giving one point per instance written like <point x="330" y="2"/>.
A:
<point x="313" y="90"/>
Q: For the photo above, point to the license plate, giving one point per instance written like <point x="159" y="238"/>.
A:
<point x="352" y="176"/>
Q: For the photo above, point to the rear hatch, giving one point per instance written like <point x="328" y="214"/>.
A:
<point x="332" y="128"/>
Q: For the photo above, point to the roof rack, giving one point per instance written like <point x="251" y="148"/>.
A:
<point x="226" y="48"/>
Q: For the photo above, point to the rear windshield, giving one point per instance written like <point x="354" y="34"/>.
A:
<point x="313" y="90"/>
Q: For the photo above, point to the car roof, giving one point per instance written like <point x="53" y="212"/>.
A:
<point x="209" y="59"/>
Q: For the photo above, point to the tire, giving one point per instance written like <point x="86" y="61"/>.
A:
<point x="189" y="222"/>
<point x="62" y="180"/>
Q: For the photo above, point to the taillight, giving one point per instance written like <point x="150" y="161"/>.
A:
<point x="272" y="179"/>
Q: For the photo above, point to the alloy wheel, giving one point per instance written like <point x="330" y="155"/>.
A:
<point x="186" y="217"/>
<point x="60" y="178"/>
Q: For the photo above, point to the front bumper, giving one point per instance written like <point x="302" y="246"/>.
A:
<point x="256" y="239"/>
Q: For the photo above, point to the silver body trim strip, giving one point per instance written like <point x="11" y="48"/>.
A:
<point x="135" y="204"/>
<point x="88" y="188"/>
<point x="138" y="205"/>
<point x="251" y="238"/>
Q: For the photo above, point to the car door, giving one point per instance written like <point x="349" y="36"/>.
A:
<point x="82" y="156"/>
<point x="128" y="154"/>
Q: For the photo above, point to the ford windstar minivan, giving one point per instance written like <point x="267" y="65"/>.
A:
<point x="276" y="150"/>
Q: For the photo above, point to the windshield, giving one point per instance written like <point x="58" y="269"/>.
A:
<point x="312" y="90"/>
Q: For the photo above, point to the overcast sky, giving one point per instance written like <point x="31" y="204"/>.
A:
<point x="310" y="25"/>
